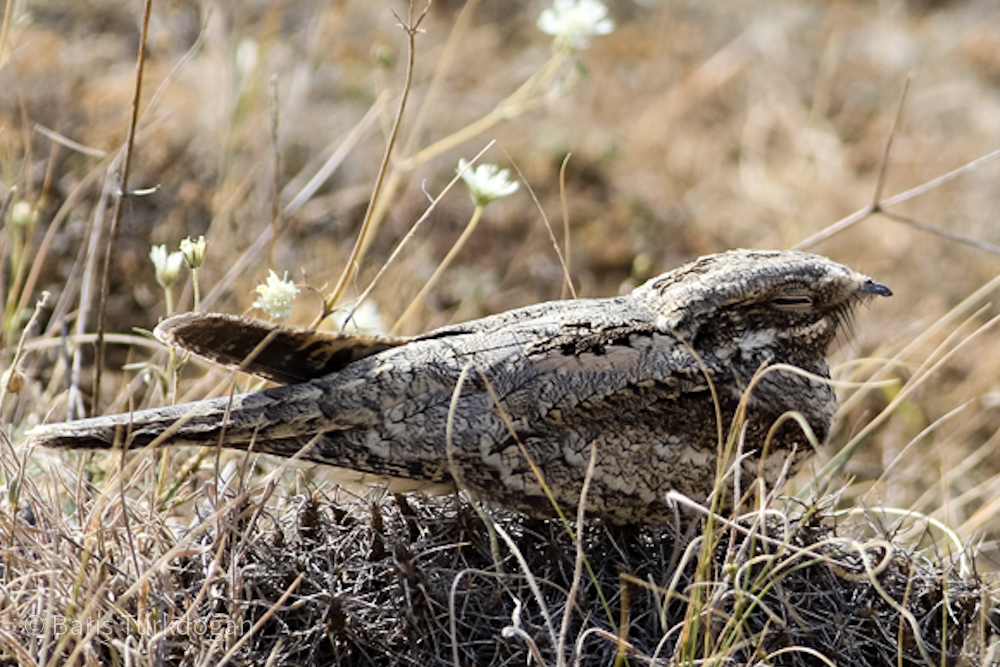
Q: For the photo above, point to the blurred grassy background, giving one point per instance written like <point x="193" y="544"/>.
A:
<point x="693" y="128"/>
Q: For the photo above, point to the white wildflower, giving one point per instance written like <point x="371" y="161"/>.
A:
<point x="194" y="251"/>
<point x="574" y="22"/>
<point x="167" y="265"/>
<point x="366" y="318"/>
<point x="276" y="296"/>
<point x="486" y="182"/>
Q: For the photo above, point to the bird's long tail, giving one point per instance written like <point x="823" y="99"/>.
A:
<point x="282" y="414"/>
<point x="295" y="421"/>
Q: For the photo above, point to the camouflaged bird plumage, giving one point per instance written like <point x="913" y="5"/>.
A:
<point x="644" y="378"/>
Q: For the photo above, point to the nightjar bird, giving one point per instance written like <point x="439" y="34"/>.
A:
<point x="494" y="406"/>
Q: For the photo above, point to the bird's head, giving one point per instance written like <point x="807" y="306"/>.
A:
<point x="760" y="299"/>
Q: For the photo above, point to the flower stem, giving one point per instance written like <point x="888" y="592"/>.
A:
<point x="197" y="290"/>
<point x="455" y="249"/>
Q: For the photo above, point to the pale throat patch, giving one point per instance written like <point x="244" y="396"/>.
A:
<point x="755" y="340"/>
<point x="809" y="332"/>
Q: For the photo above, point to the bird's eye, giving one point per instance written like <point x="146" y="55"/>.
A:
<point x="792" y="301"/>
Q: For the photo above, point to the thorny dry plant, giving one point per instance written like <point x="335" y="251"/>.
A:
<point x="341" y="580"/>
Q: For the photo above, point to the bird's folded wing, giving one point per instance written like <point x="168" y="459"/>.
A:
<point x="278" y="353"/>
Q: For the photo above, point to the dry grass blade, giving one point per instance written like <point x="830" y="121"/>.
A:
<point x="411" y="27"/>
<point x="116" y="214"/>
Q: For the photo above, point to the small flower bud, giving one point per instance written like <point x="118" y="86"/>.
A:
<point x="13" y="380"/>
<point x="167" y="265"/>
<point x="22" y="213"/>
<point x="194" y="251"/>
